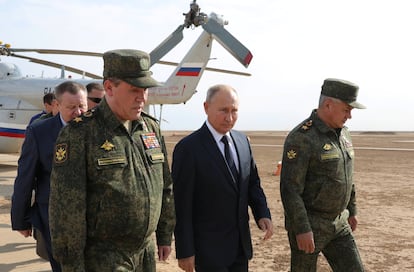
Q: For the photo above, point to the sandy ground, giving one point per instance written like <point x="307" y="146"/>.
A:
<point x="385" y="193"/>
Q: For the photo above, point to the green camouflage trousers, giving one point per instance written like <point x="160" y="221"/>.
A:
<point x="101" y="257"/>
<point x="335" y="241"/>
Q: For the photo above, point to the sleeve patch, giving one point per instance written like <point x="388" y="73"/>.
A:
<point x="291" y="154"/>
<point x="61" y="153"/>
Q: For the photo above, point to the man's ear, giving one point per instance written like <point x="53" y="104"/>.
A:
<point x="328" y="103"/>
<point x="205" y="107"/>
<point x="108" y="87"/>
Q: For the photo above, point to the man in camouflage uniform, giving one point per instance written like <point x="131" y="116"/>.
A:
<point x="316" y="183"/>
<point x="111" y="184"/>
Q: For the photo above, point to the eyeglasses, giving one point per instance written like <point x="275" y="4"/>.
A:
<point x="95" y="99"/>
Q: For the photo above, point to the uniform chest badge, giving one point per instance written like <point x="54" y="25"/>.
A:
<point x="107" y="145"/>
<point x="150" y="140"/>
<point x="327" y="147"/>
<point x="60" y="153"/>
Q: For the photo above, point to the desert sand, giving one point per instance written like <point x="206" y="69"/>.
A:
<point x="385" y="194"/>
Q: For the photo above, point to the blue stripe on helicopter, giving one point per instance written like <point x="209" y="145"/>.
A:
<point x="12" y="132"/>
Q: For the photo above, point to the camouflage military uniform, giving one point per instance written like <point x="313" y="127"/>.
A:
<point x="318" y="194"/>
<point x="110" y="190"/>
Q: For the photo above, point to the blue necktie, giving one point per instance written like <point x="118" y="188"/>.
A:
<point x="229" y="158"/>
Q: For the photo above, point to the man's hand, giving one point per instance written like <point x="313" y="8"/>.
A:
<point x="353" y="222"/>
<point x="266" y="224"/>
<point x="305" y="242"/>
<point x="26" y="233"/>
<point x="163" y="252"/>
<point x="187" y="264"/>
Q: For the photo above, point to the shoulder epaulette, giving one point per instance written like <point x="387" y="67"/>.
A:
<point x="306" y="125"/>
<point x="85" y="117"/>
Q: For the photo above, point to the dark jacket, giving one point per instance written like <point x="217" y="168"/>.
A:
<point x="212" y="211"/>
<point x="33" y="172"/>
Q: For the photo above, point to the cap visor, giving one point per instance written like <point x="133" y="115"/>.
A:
<point x="143" y="82"/>
<point x="357" y="105"/>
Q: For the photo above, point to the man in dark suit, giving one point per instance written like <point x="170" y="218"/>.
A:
<point x="213" y="188"/>
<point x="49" y="102"/>
<point x="35" y="165"/>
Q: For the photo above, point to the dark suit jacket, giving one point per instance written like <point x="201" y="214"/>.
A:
<point x="33" y="172"/>
<point x="212" y="211"/>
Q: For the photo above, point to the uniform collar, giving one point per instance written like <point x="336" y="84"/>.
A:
<point x="320" y="125"/>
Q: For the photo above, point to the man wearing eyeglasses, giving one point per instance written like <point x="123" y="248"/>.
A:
<point x="95" y="94"/>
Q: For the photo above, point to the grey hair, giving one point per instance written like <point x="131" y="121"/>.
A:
<point x="323" y="98"/>
<point x="213" y="90"/>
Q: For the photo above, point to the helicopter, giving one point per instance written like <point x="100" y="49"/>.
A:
<point x="21" y="97"/>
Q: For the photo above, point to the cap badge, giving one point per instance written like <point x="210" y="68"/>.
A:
<point x="144" y="64"/>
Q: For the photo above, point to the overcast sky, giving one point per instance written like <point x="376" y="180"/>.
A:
<point x="296" y="44"/>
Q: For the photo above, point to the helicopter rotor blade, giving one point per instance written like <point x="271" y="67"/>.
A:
<point x="57" y="65"/>
<point x="57" y="51"/>
<point x="228" y="41"/>
<point x="212" y="26"/>
<point x="84" y="53"/>
<point x="169" y="43"/>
